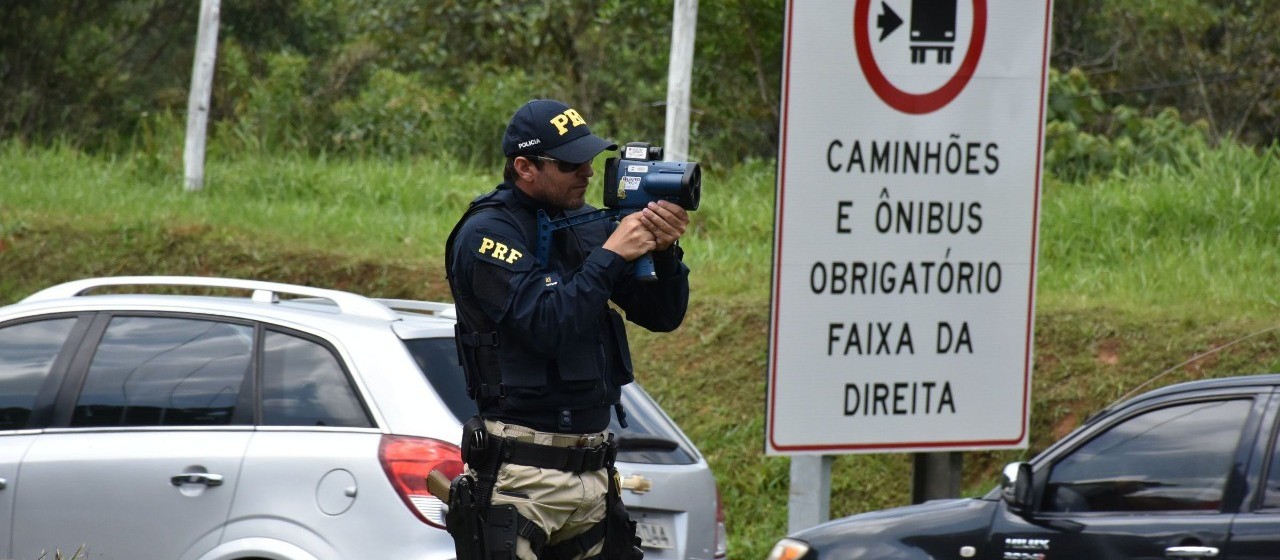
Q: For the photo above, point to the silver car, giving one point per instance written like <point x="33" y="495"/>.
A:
<point x="265" y="421"/>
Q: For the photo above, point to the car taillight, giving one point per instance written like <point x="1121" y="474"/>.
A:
<point x="722" y="532"/>
<point x="407" y="462"/>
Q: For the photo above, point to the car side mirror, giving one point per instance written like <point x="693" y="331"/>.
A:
<point x="1016" y="483"/>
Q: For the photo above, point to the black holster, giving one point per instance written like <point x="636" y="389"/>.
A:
<point x="462" y="520"/>
<point x="480" y="533"/>
<point x="620" y="540"/>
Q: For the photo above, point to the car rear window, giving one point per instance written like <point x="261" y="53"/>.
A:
<point x="303" y="384"/>
<point x="438" y="360"/>
<point x="648" y="438"/>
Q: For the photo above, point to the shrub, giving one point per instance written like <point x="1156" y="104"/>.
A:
<point x="1085" y="137"/>
<point x="390" y="116"/>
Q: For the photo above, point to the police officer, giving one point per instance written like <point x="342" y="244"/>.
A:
<point x="546" y="356"/>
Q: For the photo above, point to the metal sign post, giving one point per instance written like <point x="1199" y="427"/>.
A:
<point x="935" y="476"/>
<point x="809" y="498"/>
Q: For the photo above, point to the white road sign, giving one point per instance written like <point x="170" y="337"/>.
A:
<point x="905" y="228"/>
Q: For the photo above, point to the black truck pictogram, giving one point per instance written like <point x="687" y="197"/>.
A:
<point x="933" y="28"/>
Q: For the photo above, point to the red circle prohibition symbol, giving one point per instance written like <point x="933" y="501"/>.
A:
<point x="912" y="103"/>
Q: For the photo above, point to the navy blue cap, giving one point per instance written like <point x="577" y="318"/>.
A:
<point x="545" y="126"/>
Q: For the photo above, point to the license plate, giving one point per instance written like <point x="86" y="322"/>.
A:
<point x="654" y="535"/>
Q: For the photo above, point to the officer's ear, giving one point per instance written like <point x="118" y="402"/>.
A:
<point x="526" y="167"/>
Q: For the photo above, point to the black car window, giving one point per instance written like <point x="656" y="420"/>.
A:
<point x="1172" y="458"/>
<point x="303" y="384"/>
<point x="165" y="371"/>
<point x="27" y="351"/>
<point x="1271" y="495"/>
<point x="438" y="360"/>
<point x="649" y="436"/>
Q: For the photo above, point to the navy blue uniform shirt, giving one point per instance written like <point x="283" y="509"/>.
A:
<point x="562" y="351"/>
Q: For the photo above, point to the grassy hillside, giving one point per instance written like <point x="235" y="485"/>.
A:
<point x="1136" y="274"/>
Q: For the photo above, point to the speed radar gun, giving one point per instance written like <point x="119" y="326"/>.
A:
<point x="632" y="180"/>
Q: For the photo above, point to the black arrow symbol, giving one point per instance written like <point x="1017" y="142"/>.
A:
<point x="888" y="21"/>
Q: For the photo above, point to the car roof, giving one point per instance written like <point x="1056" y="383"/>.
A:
<point x="1137" y="397"/>
<point x="309" y="305"/>
<point x="1260" y="380"/>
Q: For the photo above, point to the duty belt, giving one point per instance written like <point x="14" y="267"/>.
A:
<point x="486" y="451"/>
<point x="559" y="440"/>
<point x="572" y="459"/>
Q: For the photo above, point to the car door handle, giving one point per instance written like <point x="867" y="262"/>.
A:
<point x="1191" y="552"/>
<point x="207" y="479"/>
<point x="3" y="484"/>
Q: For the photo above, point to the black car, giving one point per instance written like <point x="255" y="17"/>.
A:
<point x="1186" y="471"/>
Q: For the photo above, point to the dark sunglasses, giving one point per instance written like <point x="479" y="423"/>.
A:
<point x="563" y="166"/>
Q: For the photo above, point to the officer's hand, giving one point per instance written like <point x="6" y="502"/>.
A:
<point x="632" y="239"/>
<point x="666" y="220"/>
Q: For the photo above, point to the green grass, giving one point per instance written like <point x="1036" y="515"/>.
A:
<point x="1202" y="241"/>
<point x="396" y="210"/>
<point x="1136" y="274"/>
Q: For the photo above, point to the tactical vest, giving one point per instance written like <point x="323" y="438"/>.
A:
<point x="504" y="372"/>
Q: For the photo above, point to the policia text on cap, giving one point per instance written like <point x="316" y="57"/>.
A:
<point x="545" y="355"/>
